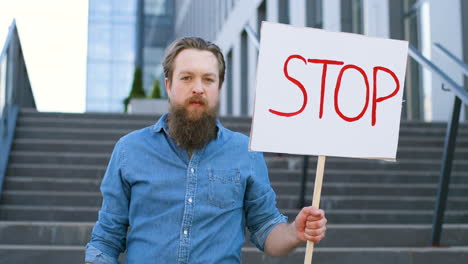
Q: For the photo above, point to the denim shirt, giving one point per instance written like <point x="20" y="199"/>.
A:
<point x="162" y="206"/>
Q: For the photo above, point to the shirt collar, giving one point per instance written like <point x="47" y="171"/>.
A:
<point x="161" y="124"/>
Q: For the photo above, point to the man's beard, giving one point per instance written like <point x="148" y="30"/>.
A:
<point x="193" y="129"/>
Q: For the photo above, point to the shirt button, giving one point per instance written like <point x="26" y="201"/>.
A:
<point x="192" y="170"/>
<point x="185" y="233"/>
<point x="190" y="200"/>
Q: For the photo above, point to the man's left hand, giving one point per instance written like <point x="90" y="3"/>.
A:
<point x="310" y="224"/>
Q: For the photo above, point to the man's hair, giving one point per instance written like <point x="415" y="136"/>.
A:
<point x="192" y="43"/>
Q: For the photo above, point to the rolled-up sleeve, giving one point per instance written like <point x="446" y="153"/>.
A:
<point x="96" y="256"/>
<point x="261" y="212"/>
<point x="109" y="232"/>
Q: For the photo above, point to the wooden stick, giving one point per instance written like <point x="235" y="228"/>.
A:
<point x="315" y="203"/>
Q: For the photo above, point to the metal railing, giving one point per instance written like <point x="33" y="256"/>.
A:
<point x="461" y="96"/>
<point x="15" y="92"/>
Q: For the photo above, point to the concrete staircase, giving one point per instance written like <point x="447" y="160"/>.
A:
<point x="378" y="212"/>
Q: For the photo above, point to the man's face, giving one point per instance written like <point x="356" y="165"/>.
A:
<point x="195" y="82"/>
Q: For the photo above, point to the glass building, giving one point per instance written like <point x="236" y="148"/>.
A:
<point x="111" y="53"/>
<point x="123" y="35"/>
<point x="158" y="30"/>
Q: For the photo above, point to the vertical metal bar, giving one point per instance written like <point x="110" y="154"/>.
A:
<point x="447" y="158"/>
<point x="305" y="168"/>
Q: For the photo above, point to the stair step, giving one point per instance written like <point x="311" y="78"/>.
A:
<point x="45" y="233"/>
<point x="81" y="157"/>
<point x="380" y="255"/>
<point x="78" y="233"/>
<point x="37" y="183"/>
<point x="41" y="254"/>
<point x="367" y="176"/>
<point x="381" y="189"/>
<point x="386" y="235"/>
<point x="373" y="202"/>
<point x="64" y="145"/>
<point x="385" y="216"/>
<point x="48" y="213"/>
<point x="348" y="163"/>
<point x="58" y="198"/>
<point x="30" y="169"/>
<point x="344" y="255"/>
<point x="89" y="214"/>
<point x="130" y="124"/>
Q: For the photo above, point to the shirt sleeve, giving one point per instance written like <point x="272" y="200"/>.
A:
<point x="261" y="212"/>
<point x="110" y="231"/>
<point x="96" y="256"/>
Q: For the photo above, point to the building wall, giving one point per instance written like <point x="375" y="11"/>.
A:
<point x="224" y="23"/>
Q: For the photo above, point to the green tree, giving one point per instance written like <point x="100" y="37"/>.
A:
<point x="137" y="88"/>
<point x="156" y="93"/>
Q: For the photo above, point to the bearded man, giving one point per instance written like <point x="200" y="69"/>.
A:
<point x="184" y="189"/>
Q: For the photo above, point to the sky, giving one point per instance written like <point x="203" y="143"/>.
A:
<point x="53" y="34"/>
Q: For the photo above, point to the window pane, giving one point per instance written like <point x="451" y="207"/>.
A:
<point x="98" y="89"/>
<point x="99" y="41"/>
<point x="155" y="7"/>
<point x="99" y="71"/>
<point x="123" y="42"/>
<point x="124" y="6"/>
<point x="100" y="7"/>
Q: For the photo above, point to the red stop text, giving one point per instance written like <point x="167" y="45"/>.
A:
<point x="345" y="68"/>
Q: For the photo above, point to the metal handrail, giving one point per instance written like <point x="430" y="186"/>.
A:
<point x="454" y="87"/>
<point x="461" y="96"/>
<point x="447" y="53"/>
<point x="17" y="94"/>
<point x="11" y="29"/>
<point x="7" y="114"/>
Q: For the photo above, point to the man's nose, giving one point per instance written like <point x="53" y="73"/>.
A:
<point x="198" y="87"/>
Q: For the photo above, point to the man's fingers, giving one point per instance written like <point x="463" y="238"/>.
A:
<point x="315" y="232"/>
<point x="314" y="239"/>
<point x="311" y="211"/>
<point x="316" y="224"/>
<point x="315" y="215"/>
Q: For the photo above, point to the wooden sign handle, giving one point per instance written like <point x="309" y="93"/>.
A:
<point x="315" y="203"/>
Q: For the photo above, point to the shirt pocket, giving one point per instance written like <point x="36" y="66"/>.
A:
<point x="224" y="187"/>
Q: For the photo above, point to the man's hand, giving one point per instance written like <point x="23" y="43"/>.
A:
<point x="310" y="224"/>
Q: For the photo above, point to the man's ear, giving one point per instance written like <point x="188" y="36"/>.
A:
<point x="167" y="83"/>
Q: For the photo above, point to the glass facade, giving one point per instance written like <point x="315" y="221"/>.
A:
<point x="118" y="40"/>
<point x="111" y="54"/>
<point x="157" y="32"/>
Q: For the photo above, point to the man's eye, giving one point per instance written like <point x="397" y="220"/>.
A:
<point x="209" y="80"/>
<point x="185" y="78"/>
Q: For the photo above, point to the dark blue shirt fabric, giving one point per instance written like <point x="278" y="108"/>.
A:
<point x="163" y="206"/>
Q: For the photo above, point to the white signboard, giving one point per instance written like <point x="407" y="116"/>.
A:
<point x="326" y="93"/>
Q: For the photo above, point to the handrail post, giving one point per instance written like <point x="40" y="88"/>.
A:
<point x="444" y="180"/>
